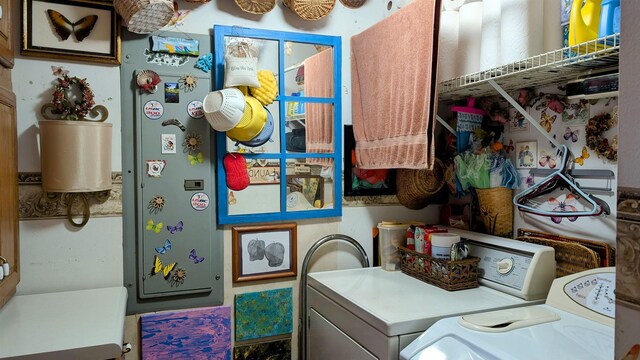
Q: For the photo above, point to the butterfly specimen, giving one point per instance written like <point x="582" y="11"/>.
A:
<point x="571" y="134"/>
<point x="547" y="160"/>
<point x="563" y="206"/>
<point x="64" y="28"/>
<point x="165" y="248"/>
<point x="158" y="267"/>
<point x="585" y="155"/>
<point x="196" y="259"/>
<point x="547" y="121"/>
<point x="174" y="229"/>
<point x="154" y="227"/>
<point x="196" y="159"/>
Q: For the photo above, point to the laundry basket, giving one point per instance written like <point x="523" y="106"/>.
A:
<point x="310" y="9"/>
<point x="145" y="16"/>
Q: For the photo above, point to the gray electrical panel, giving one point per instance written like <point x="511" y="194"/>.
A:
<point x="172" y="249"/>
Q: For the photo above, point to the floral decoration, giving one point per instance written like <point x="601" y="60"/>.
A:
<point x="67" y="108"/>
<point x="596" y="127"/>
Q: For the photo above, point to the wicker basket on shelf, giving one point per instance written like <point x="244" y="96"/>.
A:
<point x="496" y="210"/>
<point x="145" y="16"/>
<point x="446" y="274"/>
<point x="256" y="6"/>
<point x="310" y="9"/>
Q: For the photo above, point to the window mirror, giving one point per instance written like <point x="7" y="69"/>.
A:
<point x="293" y="174"/>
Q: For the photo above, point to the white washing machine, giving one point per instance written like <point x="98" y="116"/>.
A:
<point x="372" y="313"/>
<point x="575" y="323"/>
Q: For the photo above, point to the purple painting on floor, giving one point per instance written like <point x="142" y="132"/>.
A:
<point x="203" y="333"/>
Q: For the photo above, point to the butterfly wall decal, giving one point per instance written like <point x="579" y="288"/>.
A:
<point x="547" y="121"/>
<point x="563" y="206"/>
<point x="547" y="160"/>
<point x="165" y="269"/>
<point x="196" y="159"/>
<point x="64" y="28"/>
<point x="177" y="228"/>
<point x="580" y="159"/>
<point x="571" y="134"/>
<point x="193" y="256"/>
<point x="163" y="249"/>
<point x="154" y="227"/>
<point x="509" y="148"/>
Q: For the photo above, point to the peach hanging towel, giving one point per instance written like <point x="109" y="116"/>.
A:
<point x="393" y="87"/>
<point x="318" y="82"/>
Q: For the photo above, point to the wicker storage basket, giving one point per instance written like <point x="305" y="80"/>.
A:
<point x="353" y="4"/>
<point x="571" y="258"/>
<point x="145" y="16"/>
<point x="198" y="1"/>
<point x="445" y="274"/>
<point x="606" y="252"/>
<point x="496" y="210"/>
<point x="310" y="9"/>
<point x="256" y="6"/>
<point x="417" y="187"/>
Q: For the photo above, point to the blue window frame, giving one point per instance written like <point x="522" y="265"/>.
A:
<point x="224" y="217"/>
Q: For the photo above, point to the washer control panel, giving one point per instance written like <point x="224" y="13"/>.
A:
<point x="595" y="292"/>
<point x="501" y="265"/>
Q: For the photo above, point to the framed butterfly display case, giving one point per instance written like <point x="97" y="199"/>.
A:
<point x="78" y="30"/>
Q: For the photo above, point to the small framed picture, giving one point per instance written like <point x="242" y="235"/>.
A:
<point x="517" y="122"/>
<point x="264" y="252"/>
<point x="526" y="153"/>
<point x="77" y="30"/>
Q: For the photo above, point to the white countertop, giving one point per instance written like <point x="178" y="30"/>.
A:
<point x="84" y="324"/>
<point x="395" y="303"/>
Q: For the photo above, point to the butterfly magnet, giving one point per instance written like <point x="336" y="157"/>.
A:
<point x="158" y="267"/>
<point x="580" y="159"/>
<point x="163" y="249"/>
<point x="547" y="160"/>
<point x="174" y="229"/>
<point x="193" y="256"/>
<point x="151" y="226"/>
<point x="546" y="121"/>
<point x="197" y="159"/>
<point x="571" y="134"/>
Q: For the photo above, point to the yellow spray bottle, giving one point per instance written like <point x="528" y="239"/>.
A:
<point x="584" y="21"/>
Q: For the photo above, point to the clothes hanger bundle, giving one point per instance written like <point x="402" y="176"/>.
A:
<point x="526" y="201"/>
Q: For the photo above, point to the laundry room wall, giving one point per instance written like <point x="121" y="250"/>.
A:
<point x="57" y="257"/>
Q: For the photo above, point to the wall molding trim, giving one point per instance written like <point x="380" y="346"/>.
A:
<point x="35" y="204"/>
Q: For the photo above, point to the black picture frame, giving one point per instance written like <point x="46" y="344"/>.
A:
<point x="349" y="189"/>
<point x="101" y="43"/>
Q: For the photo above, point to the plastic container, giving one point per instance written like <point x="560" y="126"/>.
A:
<point x="609" y="18"/>
<point x="583" y="21"/>
<point x="391" y="235"/>
<point x="441" y="245"/>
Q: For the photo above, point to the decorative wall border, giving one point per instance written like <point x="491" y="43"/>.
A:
<point x="628" y="245"/>
<point x="36" y="204"/>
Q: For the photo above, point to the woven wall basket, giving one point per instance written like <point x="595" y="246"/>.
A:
<point x="198" y="1"/>
<point x="354" y="4"/>
<point x="256" y="6"/>
<point x="310" y="9"/>
<point x="145" y="16"/>
<point x="417" y="187"/>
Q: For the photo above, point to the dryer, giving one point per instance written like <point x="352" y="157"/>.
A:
<point x="575" y="323"/>
<point x="372" y="313"/>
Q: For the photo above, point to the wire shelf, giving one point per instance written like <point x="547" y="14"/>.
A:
<point x="556" y="66"/>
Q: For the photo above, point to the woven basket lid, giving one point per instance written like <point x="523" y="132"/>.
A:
<point x="417" y="187"/>
<point x="145" y="16"/>
<point x="256" y="6"/>
<point x="354" y="4"/>
<point x="310" y="9"/>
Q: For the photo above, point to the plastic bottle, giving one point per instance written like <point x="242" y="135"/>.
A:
<point x="583" y="21"/>
<point x="609" y="18"/>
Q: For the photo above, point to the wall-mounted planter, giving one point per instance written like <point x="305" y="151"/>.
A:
<point x="75" y="155"/>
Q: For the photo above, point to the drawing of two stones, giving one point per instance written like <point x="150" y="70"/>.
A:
<point x="274" y="252"/>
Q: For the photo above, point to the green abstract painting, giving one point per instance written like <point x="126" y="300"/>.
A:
<point x="264" y="313"/>
<point x="273" y="350"/>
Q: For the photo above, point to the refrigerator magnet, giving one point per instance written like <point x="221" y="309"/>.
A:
<point x="171" y="93"/>
<point x="194" y="109"/>
<point x="200" y="201"/>
<point x="168" y="143"/>
<point x="153" y="109"/>
<point x="155" y="167"/>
